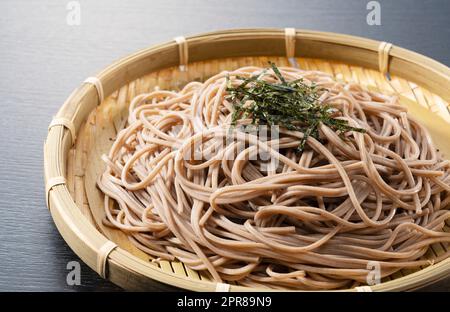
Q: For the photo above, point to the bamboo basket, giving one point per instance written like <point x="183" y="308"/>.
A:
<point x="87" y="123"/>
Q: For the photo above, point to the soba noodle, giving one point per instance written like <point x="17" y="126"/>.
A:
<point x="318" y="220"/>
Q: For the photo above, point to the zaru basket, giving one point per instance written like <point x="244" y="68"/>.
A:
<point x="87" y="123"/>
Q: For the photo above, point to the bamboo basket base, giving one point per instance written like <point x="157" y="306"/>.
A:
<point x="97" y="134"/>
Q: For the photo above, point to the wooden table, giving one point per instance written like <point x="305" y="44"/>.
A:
<point x="42" y="59"/>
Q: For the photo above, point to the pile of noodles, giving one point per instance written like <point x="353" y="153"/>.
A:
<point x="318" y="220"/>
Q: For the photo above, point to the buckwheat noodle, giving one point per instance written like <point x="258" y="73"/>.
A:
<point x="317" y="221"/>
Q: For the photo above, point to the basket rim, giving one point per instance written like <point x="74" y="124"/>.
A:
<point x="87" y="241"/>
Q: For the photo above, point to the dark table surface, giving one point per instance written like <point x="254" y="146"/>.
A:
<point x="42" y="59"/>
